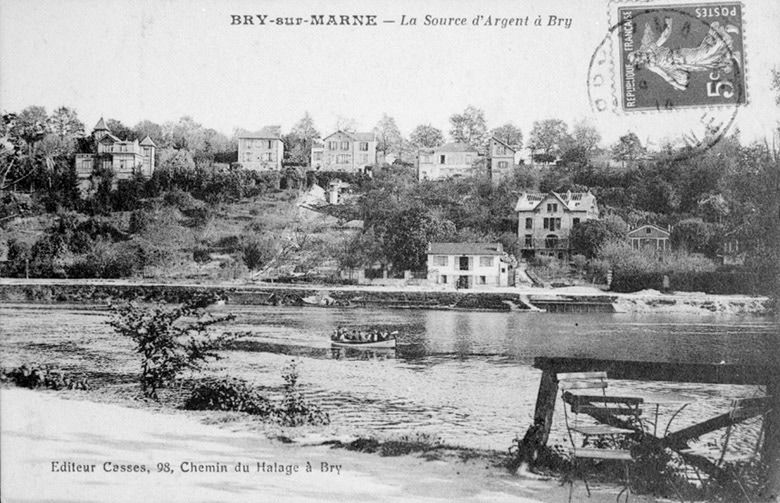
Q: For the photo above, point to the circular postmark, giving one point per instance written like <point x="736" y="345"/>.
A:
<point x="673" y="59"/>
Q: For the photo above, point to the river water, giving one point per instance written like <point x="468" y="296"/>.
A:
<point x="466" y="377"/>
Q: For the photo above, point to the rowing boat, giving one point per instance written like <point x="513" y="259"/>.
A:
<point x="389" y="343"/>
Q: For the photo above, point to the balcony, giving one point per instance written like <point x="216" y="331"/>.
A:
<point x="546" y="243"/>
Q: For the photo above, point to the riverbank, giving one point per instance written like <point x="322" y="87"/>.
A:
<point x="567" y="299"/>
<point x="59" y="447"/>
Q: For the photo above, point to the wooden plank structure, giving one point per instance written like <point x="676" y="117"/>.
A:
<point x="715" y="373"/>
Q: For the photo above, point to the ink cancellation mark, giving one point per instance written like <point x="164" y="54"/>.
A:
<point x="681" y="56"/>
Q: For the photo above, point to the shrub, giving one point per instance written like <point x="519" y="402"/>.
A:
<point x="294" y="409"/>
<point x="169" y="339"/>
<point x="407" y="444"/>
<point x="259" y="251"/>
<point x="41" y="377"/>
<point x="228" y="395"/>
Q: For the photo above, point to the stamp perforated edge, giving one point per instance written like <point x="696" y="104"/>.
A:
<point x="612" y="9"/>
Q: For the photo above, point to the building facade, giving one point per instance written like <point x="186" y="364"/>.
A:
<point x="124" y="158"/>
<point x="469" y="265"/>
<point x="545" y="221"/>
<point x="500" y="159"/>
<point x="448" y="161"/>
<point x="344" y="151"/>
<point x="262" y="150"/>
<point x="650" y="237"/>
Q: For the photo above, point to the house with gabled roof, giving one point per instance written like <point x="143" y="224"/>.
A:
<point x="650" y="237"/>
<point x="469" y="265"/>
<point x="124" y="158"/>
<point x="345" y="151"/>
<point x="500" y="159"/>
<point x="447" y="161"/>
<point x="545" y="220"/>
<point x="261" y="150"/>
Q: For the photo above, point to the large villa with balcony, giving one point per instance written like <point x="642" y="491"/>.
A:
<point x="545" y="221"/>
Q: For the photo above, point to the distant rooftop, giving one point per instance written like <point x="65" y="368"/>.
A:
<point x="465" y="249"/>
<point x="267" y="133"/>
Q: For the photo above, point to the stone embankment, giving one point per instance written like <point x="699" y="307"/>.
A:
<point x="94" y="292"/>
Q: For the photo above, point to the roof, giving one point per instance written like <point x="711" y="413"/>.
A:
<point x="465" y="249"/>
<point x="354" y="136"/>
<point x="267" y="133"/>
<point x="147" y="142"/>
<point x="510" y="147"/>
<point x="660" y="230"/>
<point x="456" y="147"/>
<point x="109" y="138"/>
<point x="101" y="125"/>
<point x="573" y="201"/>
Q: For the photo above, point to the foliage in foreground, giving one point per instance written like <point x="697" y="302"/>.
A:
<point x="33" y="377"/>
<point x="169" y="339"/>
<point x="228" y="394"/>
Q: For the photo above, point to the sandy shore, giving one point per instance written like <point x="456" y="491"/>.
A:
<point x="48" y="441"/>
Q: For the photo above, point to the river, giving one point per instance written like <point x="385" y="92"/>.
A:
<point x="465" y="377"/>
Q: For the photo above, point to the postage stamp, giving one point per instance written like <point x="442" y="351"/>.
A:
<point x="680" y="56"/>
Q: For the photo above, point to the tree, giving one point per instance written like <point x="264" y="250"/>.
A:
<point x="408" y="234"/>
<point x="580" y="144"/>
<point x="259" y="251"/>
<point x="469" y="127"/>
<point x="388" y="136"/>
<point x="695" y="236"/>
<point x="628" y="148"/>
<point x="546" y="136"/>
<point x="30" y="125"/>
<point x="589" y="236"/>
<point x="64" y="122"/>
<point x="300" y="140"/>
<point x="152" y="130"/>
<point x="509" y="134"/>
<point x="426" y="136"/>
<point x="169" y="340"/>
<point x="120" y="130"/>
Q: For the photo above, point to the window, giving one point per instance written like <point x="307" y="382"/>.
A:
<point x="364" y="146"/>
<point x="270" y="144"/>
<point x="482" y="280"/>
<point x="503" y="164"/>
<point x="648" y="230"/>
<point x="343" y="159"/>
<point x="440" y="260"/>
<point x="529" y="223"/>
<point x="500" y="150"/>
<point x="551" y="241"/>
<point x="333" y="145"/>
<point x="443" y="278"/>
<point x="529" y="241"/>
<point x="364" y="158"/>
<point x="463" y="263"/>
<point x="557" y="224"/>
<point x="486" y="261"/>
<point x="552" y="207"/>
<point x="345" y="145"/>
<point x="575" y="221"/>
<point x="546" y="223"/>
<point x="317" y="156"/>
<point x="269" y="156"/>
<point x="442" y="159"/>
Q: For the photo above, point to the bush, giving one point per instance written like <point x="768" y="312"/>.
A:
<point x="169" y="340"/>
<point x="41" y="377"/>
<point x="228" y="395"/>
<point x="294" y="409"/>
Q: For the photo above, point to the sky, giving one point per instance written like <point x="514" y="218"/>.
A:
<point x="163" y="59"/>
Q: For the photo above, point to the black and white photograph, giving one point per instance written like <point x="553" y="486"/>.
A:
<point x="389" y="251"/>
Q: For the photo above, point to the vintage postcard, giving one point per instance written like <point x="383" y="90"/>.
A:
<point x="254" y="250"/>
